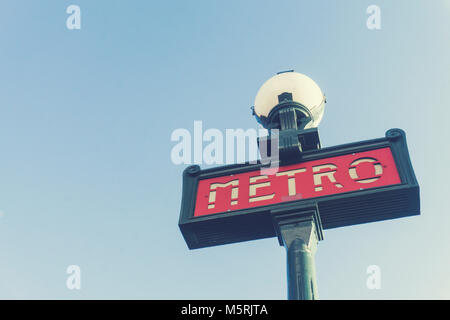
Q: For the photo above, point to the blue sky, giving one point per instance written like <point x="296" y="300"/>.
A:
<point x="86" y="117"/>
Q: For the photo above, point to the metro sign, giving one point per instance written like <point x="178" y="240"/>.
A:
<point x="349" y="184"/>
<point x="352" y="172"/>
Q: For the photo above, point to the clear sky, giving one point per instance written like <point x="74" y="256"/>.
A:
<point x="85" y="122"/>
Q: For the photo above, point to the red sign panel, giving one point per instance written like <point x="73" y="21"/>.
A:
<point x="352" y="172"/>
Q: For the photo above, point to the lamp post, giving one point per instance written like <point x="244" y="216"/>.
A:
<point x="293" y="105"/>
<point x="350" y="184"/>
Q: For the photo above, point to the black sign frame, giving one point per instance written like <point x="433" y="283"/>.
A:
<point x="338" y="210"/>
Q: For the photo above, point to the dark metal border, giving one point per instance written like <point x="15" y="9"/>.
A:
<point x="335" y="211"/>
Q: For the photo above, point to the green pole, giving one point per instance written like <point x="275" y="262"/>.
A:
<point x="301" y="273"/>
<point x="300" y="241"/>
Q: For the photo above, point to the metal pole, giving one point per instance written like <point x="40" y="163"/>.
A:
<point x="300" y="237"/>
<point x="301" y="273"/>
